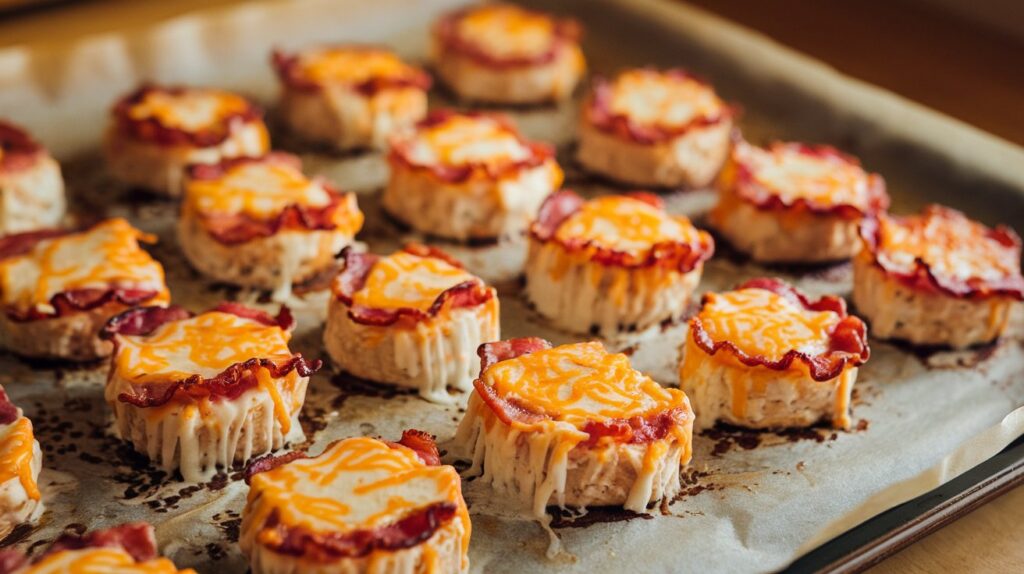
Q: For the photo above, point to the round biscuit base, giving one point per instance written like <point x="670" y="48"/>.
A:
<point x="71" y="337"/>
<point x="347" y="120"/>
<point x="549" y="82"/>
<point x="32" y="198"/>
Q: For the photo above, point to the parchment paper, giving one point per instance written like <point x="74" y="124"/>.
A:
<point x="752" y="501"/>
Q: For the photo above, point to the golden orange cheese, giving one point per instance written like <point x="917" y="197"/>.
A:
<point x="762" y="323"/>
<point x="16" y="454"/>
<point x="792" y="174"/>
<point x="100" y="561"/>
<point x="353" y="65"/>
<point x="625" y="224"/>
<point x="103" y="257"/>
<point x="356" y="484"/>
<point x="406" y="280"/>
<point x="652" y="98"/>
<point x="191" y="110"/>
<point x="462" y="139"/>
<point x="504" y="31"/>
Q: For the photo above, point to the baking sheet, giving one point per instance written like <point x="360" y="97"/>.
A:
<point x="752" y="501"/>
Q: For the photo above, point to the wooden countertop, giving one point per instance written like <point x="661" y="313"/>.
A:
<point x="936" y="59"/>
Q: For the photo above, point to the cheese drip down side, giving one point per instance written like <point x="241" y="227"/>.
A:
<point x="652" y="98"/>
<point x="625" y="224"/>
<point x="407" y="280"/>
<point x="356" y="484"/>
<point x="762" y="323"/>
<point x="103" y="257"/>
<point x="17" y="451"/>
<point x="507" y="32"/>
<point x="191" y="110"/>
<point x="466" y="140"/>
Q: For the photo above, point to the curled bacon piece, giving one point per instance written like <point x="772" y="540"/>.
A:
<point x="848" y="342"/>
<point x="636" y="430"/>
<point x="17" y="148"/>
<point x="923" y="278"/>
<point x="290" y="72"/>
<point x="152" y="130"/>
<point x="399" y="156"/>
<point x="745" y="185"/>
<point x="270" y="462"/>
<point x="78" y="300"/>
<point x="21" y="243"/>
<point x="497" y="351"/>
<point x="229" y="383"/>
<point x="598" y="112"/>
<point x="8" y="412"/>
<point x="232" y="229"/>
<point x="561" y="205"/>
<point x="422" y="443"/>
<point x="415" y="527"/>
<point x="565" y="31"/>
<point x="356" y="267"/>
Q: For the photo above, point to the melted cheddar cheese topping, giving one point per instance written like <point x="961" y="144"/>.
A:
<point x="466" y="140"/>
<point x="652" y="98"/>
<point x="949" y="243"/>
<point x="625" y="224"/>
<point x="762" y="323"/>
<point x="353" y="66"/>
<point x="103" y="257"/>
<point x="357" y="483"/>
<point x="17" y="449"/>
<point x="101" y="561"/>
<point x="259" y="189"/>
<point x="792" y="174"/>
<point x="505" y="32"/>
<point x="406" y="280"/>
<point x="191" y="110"/>
<point x="579" y="383"/>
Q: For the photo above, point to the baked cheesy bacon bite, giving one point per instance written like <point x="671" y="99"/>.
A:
<point x="574" y="426"/>
<point x="413" y="318"/>
<point x="505" y="54"/>
<point x="260" y="222"/>
<point x="31" y="186"/>
<point x="795" y="203"/>
<point x="20" y="463"/>
<point x="363" y="505"/>
<point x="766" y="356"/>
<point x="468" y="176"/>
<point x="156" y="131"/>
<point x="655" y="128"/>
<point x="59" y="287"/>
<point x="125" y="549"/>
<point x="614" y="264"/>
<point x="197" y="392"/>
<point x="349" y="96"/>
<point x="937" y="278"/>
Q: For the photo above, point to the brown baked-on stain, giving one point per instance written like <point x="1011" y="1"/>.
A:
<point x="942" y="357"/>
<point x="726" y="437"/>
<point x="230" y="523"/>
<point x="17" y="534"/>
<point x="594" y="515"/>
<point x="350" y="385"/>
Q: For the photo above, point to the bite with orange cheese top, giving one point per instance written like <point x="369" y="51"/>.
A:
<point x="654" y="128"/>
<point x="573" y="426"/>
<point x="363" y="505"/>
<point x="59" y="287"/>
<point x="937" y="278"/>
<point x="156" y="131"/>
<point x="612" y="265"/>
<point x="31" y="186"/>
<point x="20" y="463"/>
<point x="795" y="203"/>
<point x="260" y="222"/>
<point x="124" y="549"/>
<point x="413" y="318"/>
<point x="766" y="356"/>
<point x="468" y="177"/>
<point x="505" y="54"/>
<point x="349" y="96"/>
<point x="195" y="393"/>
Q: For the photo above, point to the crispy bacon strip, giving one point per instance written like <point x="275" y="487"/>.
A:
<point x="289" y="71"/>
<point x="636" y="430"/>
<point x="566" y="31"/>
<point x="422" y="443"/>
<point x="561" y="205"/>
<point x="399" y="156"/>
<point x="232" y="229"/>
<point x="229" y="383"/>
<point x="79" y="300"/>
<point x="745" y="185"/>
<point x="848" y="342"/>
<point x="270" y="462"/>
<point x="17" y="148"/>
<point x="151" y="130"/>
<point x="356" y="267"/>
<point x="8" y="412"/>
<point x="923" y="277"/>
<point x="598" y="111"/>
<point x="414" y="528"/>
<point x="21" y="243"/>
